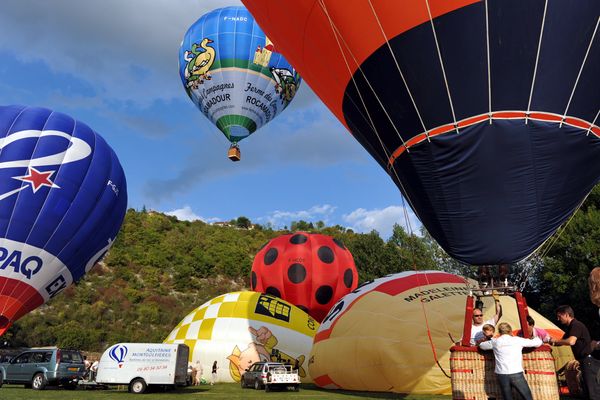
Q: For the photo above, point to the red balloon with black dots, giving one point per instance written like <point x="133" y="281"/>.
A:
<point x="310" y="270"/>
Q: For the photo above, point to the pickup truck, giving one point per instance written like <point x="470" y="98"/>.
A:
<point x="270" y="375"/>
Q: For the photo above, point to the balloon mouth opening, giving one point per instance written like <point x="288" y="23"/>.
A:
<point x="238" y="132"/>
<point x="5" y="323"/>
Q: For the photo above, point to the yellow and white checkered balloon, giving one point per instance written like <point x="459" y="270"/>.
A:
<point x="239" y="328"/>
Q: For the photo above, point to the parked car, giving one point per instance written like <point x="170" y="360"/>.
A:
<point x="269" y="375"/>
<point x="39" y="367"/>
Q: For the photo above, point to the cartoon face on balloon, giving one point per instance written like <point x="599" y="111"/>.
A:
<point x="260" y="350"/>
<point x="311" y="271"/>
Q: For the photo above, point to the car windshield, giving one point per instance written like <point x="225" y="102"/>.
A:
<point x="71" y="356"/>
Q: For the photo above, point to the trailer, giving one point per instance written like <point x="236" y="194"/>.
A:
<point x="140" y="365"/>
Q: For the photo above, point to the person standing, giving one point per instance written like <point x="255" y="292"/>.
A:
<point x="532" y="331"/>
<point x="199" y="373"/>
<point x="478" y="322"/>
<point x="508" y="353"/>
<point x="214" y="373"/>
<point x="87" y="365"/>
<point x="578" y="337"/>
<point x="94" y="370"/>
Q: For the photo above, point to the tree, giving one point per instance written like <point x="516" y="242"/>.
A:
<point x="414" y="251"/>
<point x="302" y="226"/>
<point x="564" y="274"/>
<point x="368" y="251"/>
<point x="243" y="222"/>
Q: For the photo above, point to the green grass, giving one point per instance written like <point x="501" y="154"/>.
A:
<point x="224" y="391"/>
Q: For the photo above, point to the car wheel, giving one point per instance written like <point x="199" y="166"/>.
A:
<point x="297" y="388"/>
<point x="267" y="388"/>
<point x="256" y="384"/>
<point x="39" y="381"/>
<point x="138" y="386"/>
<point x="242" y="382"/>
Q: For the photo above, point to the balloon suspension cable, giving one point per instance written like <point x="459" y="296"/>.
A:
<point x="341" y="44"/>
<point x="423" y="307"/>
<point x="542" y="251"/>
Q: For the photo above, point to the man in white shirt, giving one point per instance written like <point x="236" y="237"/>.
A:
<point x="508" y="352"/>
<point x="478" y="322"/>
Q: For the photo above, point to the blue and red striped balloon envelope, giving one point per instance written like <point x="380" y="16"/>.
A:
<point x="484" y="113"/>
<point x="63" y="198"/>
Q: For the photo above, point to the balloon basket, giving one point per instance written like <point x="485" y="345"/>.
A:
<point x="234" y="153"/>
<point x="473" y="377"/>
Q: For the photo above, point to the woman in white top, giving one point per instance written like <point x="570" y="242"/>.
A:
<point x="509" y="360"/>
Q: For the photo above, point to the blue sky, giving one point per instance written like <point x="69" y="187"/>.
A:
<point x="113" y="65"/>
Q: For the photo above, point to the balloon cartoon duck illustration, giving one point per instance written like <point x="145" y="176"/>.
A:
<point x="198" y="63"/>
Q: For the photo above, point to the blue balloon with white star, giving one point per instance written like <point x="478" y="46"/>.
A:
<point x="63" y="197"/>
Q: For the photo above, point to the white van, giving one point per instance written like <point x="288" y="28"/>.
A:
<point x="141" y="364"/>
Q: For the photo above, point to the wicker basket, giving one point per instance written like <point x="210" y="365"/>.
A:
<point x="473" y="376"/>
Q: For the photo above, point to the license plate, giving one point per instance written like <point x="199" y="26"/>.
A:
<point x="73" y="369"/>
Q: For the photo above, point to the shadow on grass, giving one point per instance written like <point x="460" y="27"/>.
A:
<point x="169" y="392"/>
<point x="371" y="395"/>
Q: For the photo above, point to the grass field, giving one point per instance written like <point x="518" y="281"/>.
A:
<point x="224" y="391"/>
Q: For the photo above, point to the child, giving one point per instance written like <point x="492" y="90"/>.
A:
<point x="488" y="333"/>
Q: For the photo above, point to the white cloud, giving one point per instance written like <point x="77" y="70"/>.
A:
<point x="315" y="213"/>
<point x="382" y="220"/>
<point x="187" y="214"/>
<point x="123" y="49"/>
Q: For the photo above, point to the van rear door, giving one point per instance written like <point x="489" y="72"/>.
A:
<point x="183" y="353"/>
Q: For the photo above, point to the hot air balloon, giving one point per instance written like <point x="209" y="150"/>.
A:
<point x="484" y="113"/>
<point x="240" y="328"/>
<point x="394" y="334"/>
<point x="309" y="270"/>
<point x="63" y="200"/>
<point x="234" y="75"/>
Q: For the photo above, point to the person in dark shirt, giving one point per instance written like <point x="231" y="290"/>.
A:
<point x="578" y="337"/>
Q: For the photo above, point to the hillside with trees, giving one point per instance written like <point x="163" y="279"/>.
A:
<point x="160" y="268"/>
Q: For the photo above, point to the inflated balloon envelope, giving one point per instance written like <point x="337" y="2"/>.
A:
<point x="484" y="113"/>
<point x="239" y="328"/>
<point x="310" y="270"/>
<point x="63" y="199"/>
<point x="390" y="334"/>
<point x="234" y="75"/>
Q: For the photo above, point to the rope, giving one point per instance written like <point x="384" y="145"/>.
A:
<point x="543" y="250"/>
<point x="487" y="49"/>
<point x="339" y="37"/>
<point x="589" y="129"/>
<point x="580" y="70"/>
<point x="537" y="59"/>
<point x="387" y="42"/>
<point x="437" y="46"/>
